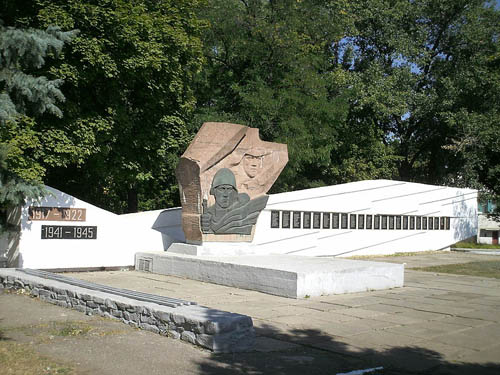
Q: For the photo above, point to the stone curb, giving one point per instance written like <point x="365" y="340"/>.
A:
<point x="216" y="330"/>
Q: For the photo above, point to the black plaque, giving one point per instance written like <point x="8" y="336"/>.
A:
<point x="285" y="219"/>
<point x="418" y="222"/>
<point x="384" y="221"/>
<point x="335" y="221"/>
<point x="398" y="222"/>
<point x="376" y="224"/>
<point x="352" y="221"/>
<point x="448" y="220"/>
<point x="412" y="222"/>
<point x="436" y="223"/>
<point x="343" y="223"/>
<point x="430" y="222"/>
<point x="307" y="220"/>
<point x="361" y="221"/>
<point x="316" y="220"/>
<point x="69" y="232"/>
<point x="391" y="222"/>
<point x="369" y="221"/>
<point x="275" y="219"/>
<point x="424" y="223"/>
<point x="296" y="219"/>
<point x="405" y="222"/>
<point x="326" y="220"/>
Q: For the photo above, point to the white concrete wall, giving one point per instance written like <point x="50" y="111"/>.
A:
<point x="119" y="237"/>
<point x="370" y="197"/>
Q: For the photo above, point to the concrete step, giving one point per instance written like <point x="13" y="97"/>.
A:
<point x="283" y="275"/>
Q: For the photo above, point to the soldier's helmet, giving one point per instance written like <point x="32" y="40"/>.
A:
<point x="224" y="176"/>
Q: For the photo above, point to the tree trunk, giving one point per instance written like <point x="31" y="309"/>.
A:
<point x="132" y="200"/>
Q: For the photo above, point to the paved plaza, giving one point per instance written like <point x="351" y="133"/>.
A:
<point x="436" y="323"/>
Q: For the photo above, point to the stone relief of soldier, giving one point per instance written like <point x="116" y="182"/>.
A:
<point x="233" y="212"/>
<point x="252" y="173"/>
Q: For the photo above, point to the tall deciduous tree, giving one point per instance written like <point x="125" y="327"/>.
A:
<point x="422" y="73"/>
<point x="128" y="94"/>
<point x="271" y="65"/>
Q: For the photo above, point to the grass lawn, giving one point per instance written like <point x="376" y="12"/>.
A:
<point x="472" y="245"/>
<point x="20" y="358"/>
<point x="482" y="269"/>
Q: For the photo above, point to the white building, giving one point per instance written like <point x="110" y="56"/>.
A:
<point x="488" y="227"/>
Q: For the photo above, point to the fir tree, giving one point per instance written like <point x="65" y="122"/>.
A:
<point x="22" y="53"/>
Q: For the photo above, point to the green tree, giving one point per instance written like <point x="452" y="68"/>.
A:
<point x="422" y="75"/>
<point x="24" y="92"/>
<point x="272" y="65"/>
<point x="127" y="81"/>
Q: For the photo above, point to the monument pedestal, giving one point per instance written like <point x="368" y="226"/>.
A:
<point x="212" y="248"/>
<point x="282" y="275"/>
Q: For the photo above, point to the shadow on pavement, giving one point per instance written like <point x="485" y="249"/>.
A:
<point x="318" y="353"/>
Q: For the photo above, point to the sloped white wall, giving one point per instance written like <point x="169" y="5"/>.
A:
<point x="369" y="197"/>
<point x="119" y="237"/>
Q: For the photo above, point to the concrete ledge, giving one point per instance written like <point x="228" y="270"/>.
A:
<point x="282" y="275"/>
<point x="216" y="330"/>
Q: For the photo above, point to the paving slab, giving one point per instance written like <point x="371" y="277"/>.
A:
<point x="439" y="324"/>
<point x="428" y="330"/>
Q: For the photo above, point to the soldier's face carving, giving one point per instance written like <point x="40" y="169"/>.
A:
<point x="224" y="195"/>
<point x="251" y="165"/>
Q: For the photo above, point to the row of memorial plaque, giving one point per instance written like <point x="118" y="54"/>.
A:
<point x="329" y="220"/>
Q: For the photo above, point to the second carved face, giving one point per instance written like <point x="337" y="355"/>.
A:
<point x="251" y="165"/>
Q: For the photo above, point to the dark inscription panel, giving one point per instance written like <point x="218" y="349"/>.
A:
<point x="384" y="221"/>
<point x="326" y="220"/>
<point x="361" y="221"/>
<point x="376" y="224"/>
<point x="296" y="219"/>
<point x="68" y="232"/>
<point x="424" y="223"/>
<point x="418" y="222"/>
<point x="398" y="222"/>
<point x="316" y="220"/>
<point x="307" y="220"/>
<point x="285" y="219"/>
<point x="344" y="221"/>
<point x="352" y="221"/>
<point x="405" y="222"/>
<point x="436" y="223"/>
<point x="335" y="221"/>
<point x="275" y="219"/>
<point x="412" y="222"/>
<point x="56" y="214"/>
<point x="369" y="221"/>
<point x="448" y="220"/>
<point x="391" y="222"/>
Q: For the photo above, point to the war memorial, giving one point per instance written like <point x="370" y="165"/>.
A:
<point x="229" y="231"/>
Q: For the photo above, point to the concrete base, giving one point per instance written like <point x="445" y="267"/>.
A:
<point x="212" y="248"/>
<point x="282" y="275"/>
